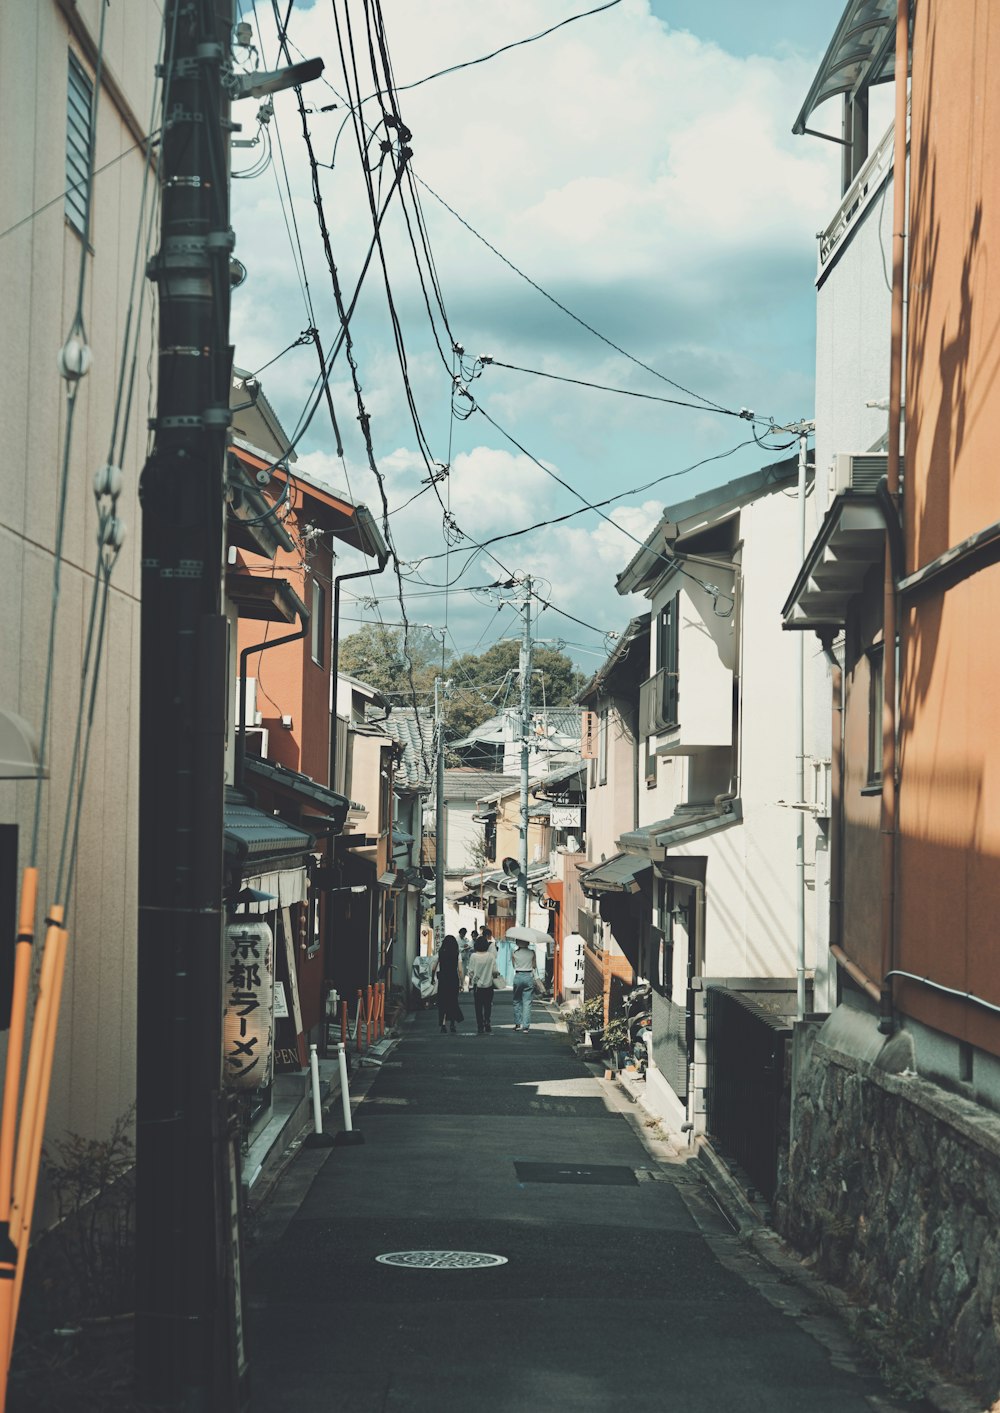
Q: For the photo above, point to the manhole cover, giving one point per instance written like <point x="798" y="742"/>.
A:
<point x="442" y="1260"/>
<point x="590" y="1174"/>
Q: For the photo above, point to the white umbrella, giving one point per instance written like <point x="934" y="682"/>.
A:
<point x="533" y="935"/>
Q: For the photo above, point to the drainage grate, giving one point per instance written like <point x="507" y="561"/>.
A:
<point x="442" y="1260"/>
<point x="594" y="1175"/>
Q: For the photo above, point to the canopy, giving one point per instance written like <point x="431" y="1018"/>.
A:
<point x="532" y="935"/>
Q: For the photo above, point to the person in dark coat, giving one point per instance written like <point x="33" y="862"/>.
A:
<point x="448" y="970"/>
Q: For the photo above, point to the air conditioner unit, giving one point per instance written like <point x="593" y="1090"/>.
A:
<point x="861" y="472"/>
<point x="257" y="741"/>
<point x="252" y="715"/>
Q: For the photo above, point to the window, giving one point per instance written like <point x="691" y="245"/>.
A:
<point x="666" y="659"/>
<point x="875" y="693"/>
<point x="318" y="625"/>
<point x="79" y="134"/>
<point x="602" y="748"/>
<point x="650" y="763"/>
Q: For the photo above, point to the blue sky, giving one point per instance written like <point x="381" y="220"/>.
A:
<point x="638" y="165"/>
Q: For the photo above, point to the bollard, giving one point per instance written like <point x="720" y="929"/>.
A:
<point x="349" y="1135"/>
<point x="380" y="1011"/>
<point x="369" y="1005"/>
<point x="343" y="1022"/>
<point x="357" y="1022"/>
<point x="317" y="1139"/>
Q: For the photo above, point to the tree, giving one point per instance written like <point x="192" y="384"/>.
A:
<point x="376" y="656"/>
<point x="482" y="684"/>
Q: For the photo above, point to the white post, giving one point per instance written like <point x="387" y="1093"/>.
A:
<point x="316" y="1139"/>
<point x="345" y="1093"/>
<point x="314" y="1073"/>
<point x="349" y="1135"/>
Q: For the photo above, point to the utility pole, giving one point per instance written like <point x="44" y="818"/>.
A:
<point x="439" y="824"/>
<point x="524" y="667"/>
<point x="187" y="1354"/>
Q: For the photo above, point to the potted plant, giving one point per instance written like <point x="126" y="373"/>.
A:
<point x="593" y="1020"/>
<point x="617" y="1041"/>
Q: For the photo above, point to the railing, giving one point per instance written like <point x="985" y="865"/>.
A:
<point x="658" y="703"/>
<point x="856" y="198"/>
<point x="743" y="1097"/>
<point x="670" y="1043"/>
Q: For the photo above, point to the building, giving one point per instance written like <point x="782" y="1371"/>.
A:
<point x="51" y="259"/>
<point x="728" y="925"/>
<point x="893" y="1171"/>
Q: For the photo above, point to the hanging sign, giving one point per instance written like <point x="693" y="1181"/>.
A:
<point x="248" y="995"/>
<point x="565" y="817"/>
<point x="588" y="735"/>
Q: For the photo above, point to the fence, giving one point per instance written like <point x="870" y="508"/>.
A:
<point x="743" y="1098"/>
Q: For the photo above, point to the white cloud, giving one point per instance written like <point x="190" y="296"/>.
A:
<point x="646" y="177"/>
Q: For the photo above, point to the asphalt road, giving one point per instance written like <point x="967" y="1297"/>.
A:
<point x="622" y="1289"/>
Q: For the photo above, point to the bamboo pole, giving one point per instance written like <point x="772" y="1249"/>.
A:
<point x="8" y="1119"/>
<point x="36" y="1095"/>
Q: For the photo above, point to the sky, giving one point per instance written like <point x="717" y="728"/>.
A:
<point x="638" y="165"/>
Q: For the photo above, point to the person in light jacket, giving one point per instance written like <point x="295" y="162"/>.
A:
<point x="525" y="970"/>
<point x="482" y="965"/>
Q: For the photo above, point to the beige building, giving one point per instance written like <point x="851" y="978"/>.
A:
<point x="48" y="54"/>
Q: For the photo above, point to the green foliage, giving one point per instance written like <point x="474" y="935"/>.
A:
<point x="376" y="656"/>
<point x="593" y="1013"/>
<point x="483" y="683"/>
<point x="616" y="1035"/>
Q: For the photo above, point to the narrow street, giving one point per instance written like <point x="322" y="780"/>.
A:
<point x="623" y="1289"/>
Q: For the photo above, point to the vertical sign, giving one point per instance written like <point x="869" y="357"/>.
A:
<point x="248" y="1019"/>
<point x="588" y="735"/>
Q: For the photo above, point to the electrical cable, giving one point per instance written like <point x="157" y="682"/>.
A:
<point x="80" y="356"/>
<point x="623" y="392"/>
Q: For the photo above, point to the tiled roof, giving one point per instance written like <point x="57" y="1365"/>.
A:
<point x="415" y="733"/>
<point x="467" y="783"/>
<point x="555" y="721"/>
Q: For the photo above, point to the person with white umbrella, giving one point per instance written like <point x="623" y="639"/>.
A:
<point x="525" y="970"/>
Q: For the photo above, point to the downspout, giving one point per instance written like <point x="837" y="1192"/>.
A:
<point x="800" y="765"/>
<point x="241" y="742"/>
<point x="338" y="579"/>
<point x="836" y="802"/>
<point x="889" y="820"/>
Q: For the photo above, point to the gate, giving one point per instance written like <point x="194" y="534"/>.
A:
<point x="743" y="1097"/>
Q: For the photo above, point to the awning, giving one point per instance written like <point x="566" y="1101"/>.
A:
<point x="654" y="840"/>
<point x="862" y="52"/>
<point x="850" y="541"/>
<point x="251" y="835"/>
<point x="619" y="874"/>
<point x="304" y="789"/>
<point x="393" y="881"/>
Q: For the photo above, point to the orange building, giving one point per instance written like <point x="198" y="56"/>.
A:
<point x="893" y="1175"/>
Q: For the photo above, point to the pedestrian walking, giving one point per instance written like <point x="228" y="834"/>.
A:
<point x="482" y="969"/>
<point x="465" y="952"/>
<point x="525" y="970"/>
<point x="448" y="970"/>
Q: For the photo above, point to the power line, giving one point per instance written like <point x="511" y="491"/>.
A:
<point x="622" y="392"/>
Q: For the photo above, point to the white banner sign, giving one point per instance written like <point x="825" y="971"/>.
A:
<point x="565" y="817"/>
<point x="248" y="1020"/>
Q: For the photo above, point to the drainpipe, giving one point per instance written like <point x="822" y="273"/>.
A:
<point x="889" y="822"/>
<point x="800" y="759"/>
<point x="836" y="803"/>
<point x="338" y="579"/>
<point x="241" y="737"/>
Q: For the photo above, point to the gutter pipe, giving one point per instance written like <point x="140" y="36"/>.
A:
<point x="241" y="736"/>
<point x="800" y="764"/>
<point x="889" y="811"/>
<point x="338" y="579"/>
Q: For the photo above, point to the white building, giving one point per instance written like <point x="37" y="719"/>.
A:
<point x="718" y="821"/>
<point x="48" y="54"/>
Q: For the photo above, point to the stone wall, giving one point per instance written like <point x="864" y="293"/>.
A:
<point x="892" y="1188"/>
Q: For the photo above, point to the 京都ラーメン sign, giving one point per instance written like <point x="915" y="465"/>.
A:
<point x="248" y="999"/>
